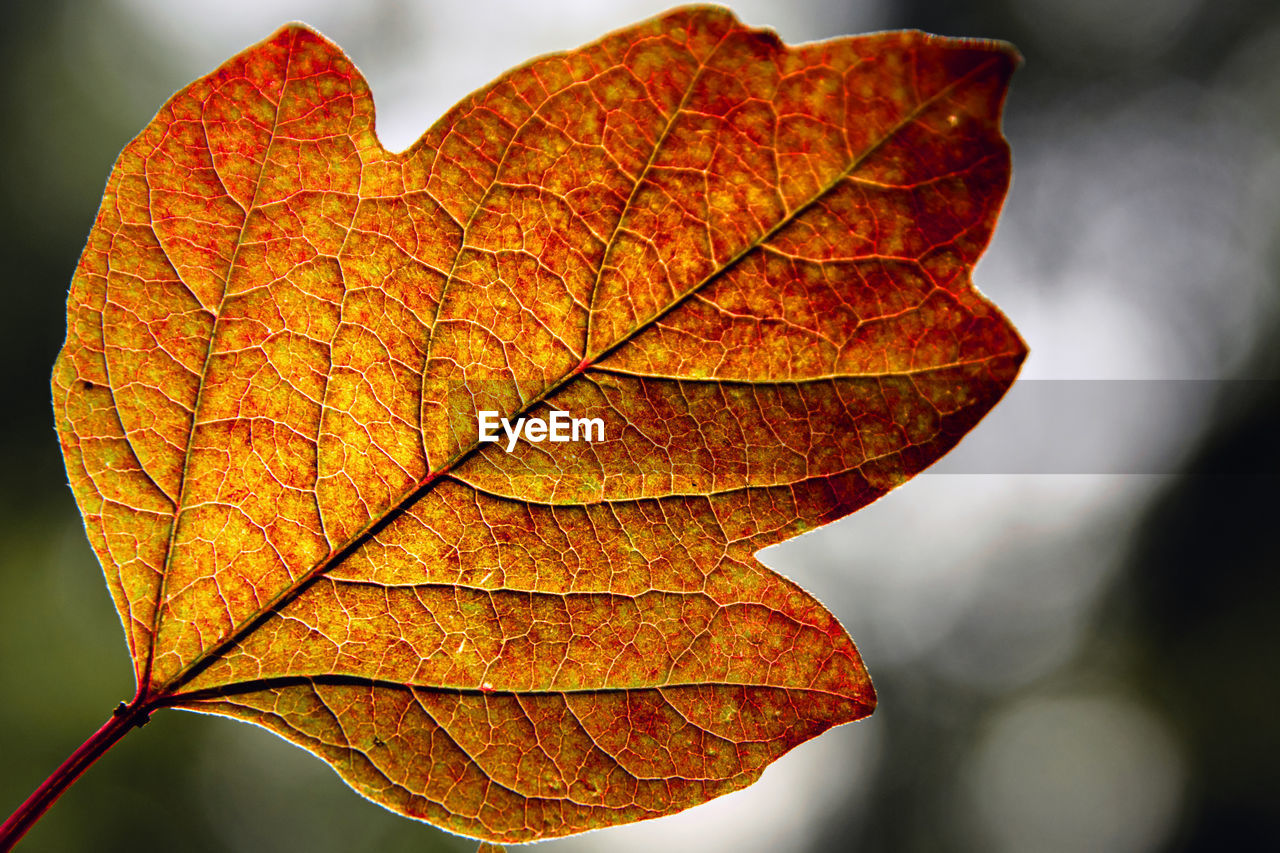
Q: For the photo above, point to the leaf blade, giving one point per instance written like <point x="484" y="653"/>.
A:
<point x="334" y="527"/>
<point x="570" y="796"/>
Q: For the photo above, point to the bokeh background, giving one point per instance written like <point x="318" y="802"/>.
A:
<point x="1072" y="621"/>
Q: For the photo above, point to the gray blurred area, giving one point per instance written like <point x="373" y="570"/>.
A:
<point x="1071" y="621"/>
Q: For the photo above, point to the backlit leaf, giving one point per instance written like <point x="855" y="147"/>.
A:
<point x="750" y="262"/>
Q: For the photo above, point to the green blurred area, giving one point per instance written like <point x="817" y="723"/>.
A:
<point x="1188" y="625"/>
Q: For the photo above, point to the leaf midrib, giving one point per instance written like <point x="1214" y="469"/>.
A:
<point x="169" y="690"/>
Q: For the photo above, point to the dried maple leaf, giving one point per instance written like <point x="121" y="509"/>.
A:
<point x="749" y="262"/>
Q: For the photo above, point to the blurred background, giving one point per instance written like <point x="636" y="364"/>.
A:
<point x="1071" y="621"/>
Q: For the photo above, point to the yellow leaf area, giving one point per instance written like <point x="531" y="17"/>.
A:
<point x="750" y="261"/>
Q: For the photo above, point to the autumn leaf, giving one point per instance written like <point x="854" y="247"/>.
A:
<point x="749" y="263"/>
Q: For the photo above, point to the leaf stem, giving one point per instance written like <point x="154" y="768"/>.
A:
<point x="124" y="718"/>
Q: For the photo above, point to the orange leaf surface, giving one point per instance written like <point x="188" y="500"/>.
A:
<point x="750" y="262"/>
